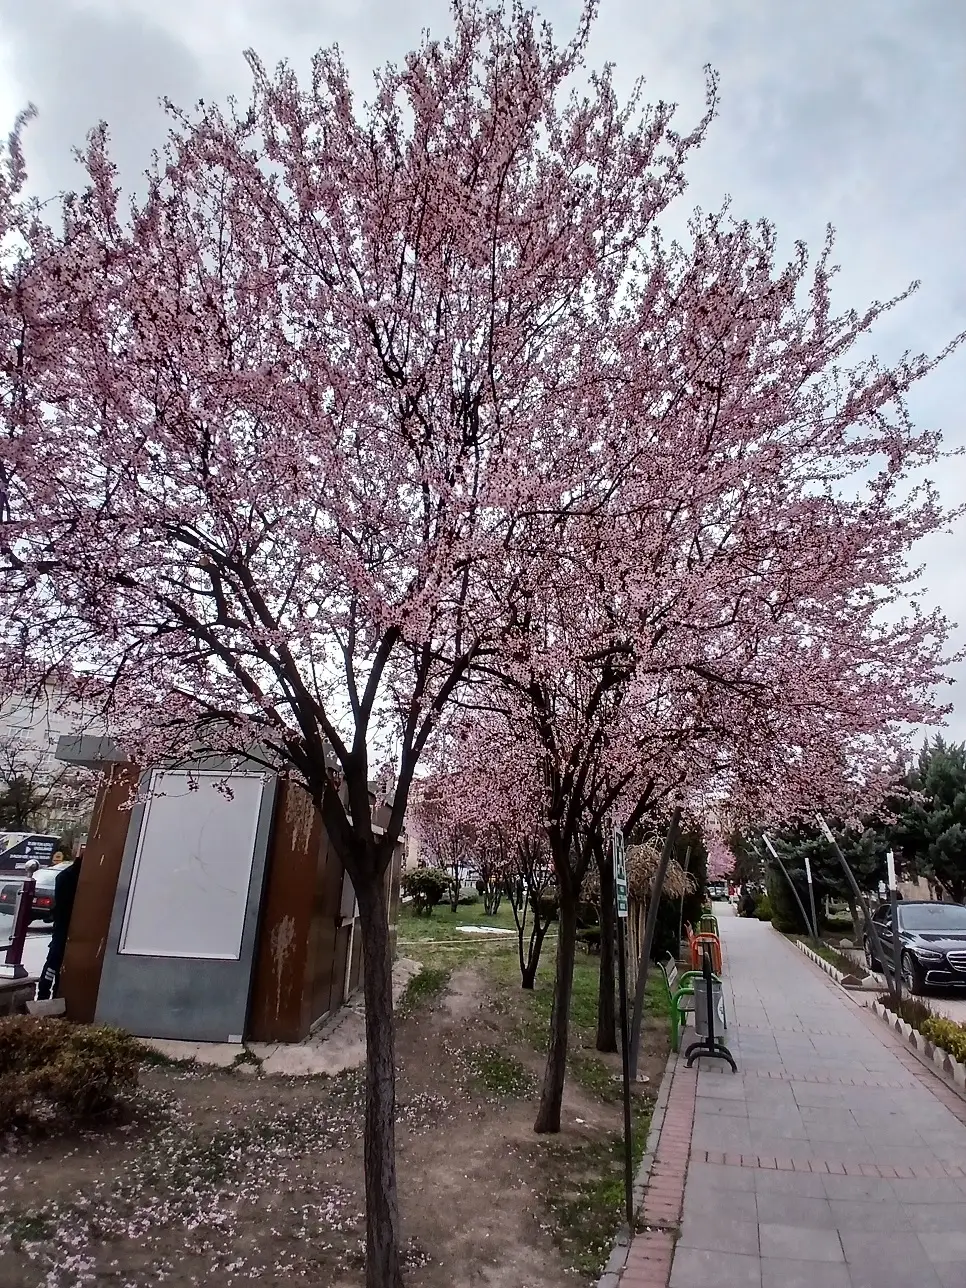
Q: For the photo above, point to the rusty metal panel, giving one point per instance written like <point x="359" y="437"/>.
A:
<point x="280" y="1009"/>
<point x="94" y="902"/>
<point x="327" y="959"/>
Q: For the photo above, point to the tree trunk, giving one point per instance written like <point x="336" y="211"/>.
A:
<point x="551" y="1098"/>
<point x="606" y="998"/>
<point x="528" y="969"/>
<point x="854" y="913"/>
<point x="383" y="1265"/>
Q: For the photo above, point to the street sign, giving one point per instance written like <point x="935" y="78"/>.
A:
<point x="620" y="900"/>
<point x="620" y="874"/>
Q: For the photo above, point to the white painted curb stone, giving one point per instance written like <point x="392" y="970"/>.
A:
<point x="941" y="1058"/>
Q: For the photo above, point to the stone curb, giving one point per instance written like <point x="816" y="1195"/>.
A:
<point x="622" y="1240"/>
<point x="851" y="982"/>
<point x="833" y="971"/>
<point x="944" y="1062"/>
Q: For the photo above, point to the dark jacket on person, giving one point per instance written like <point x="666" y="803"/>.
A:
<point x="65" y="890"/>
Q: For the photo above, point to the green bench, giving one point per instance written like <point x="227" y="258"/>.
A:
<point x="679" y="989"/>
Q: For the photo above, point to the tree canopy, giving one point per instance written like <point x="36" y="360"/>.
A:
<point x="367" y="413"/>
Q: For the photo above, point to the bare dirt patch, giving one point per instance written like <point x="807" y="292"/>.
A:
<point x="223" y="1179"/>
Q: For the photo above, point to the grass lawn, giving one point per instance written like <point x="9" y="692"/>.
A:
<point x="438" y="939"/>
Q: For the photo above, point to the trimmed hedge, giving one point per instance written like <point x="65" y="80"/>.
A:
<point x="947" y="1034"/>
<point x="77" y="1071"/>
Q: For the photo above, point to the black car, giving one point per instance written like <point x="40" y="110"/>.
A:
<point x="933" y="943"/>
<point x="43" y="907"/>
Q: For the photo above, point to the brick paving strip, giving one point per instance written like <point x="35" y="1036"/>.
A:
<point x="836" y="1158"/>
<point x="831" y="1167"/>
<point x="649" y="1262"/>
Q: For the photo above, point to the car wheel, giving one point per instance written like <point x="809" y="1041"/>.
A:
<point x="913" y="975"/>
<point x="870" y="960"/>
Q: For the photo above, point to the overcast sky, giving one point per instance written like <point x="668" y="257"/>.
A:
<point x="844" y="111"/>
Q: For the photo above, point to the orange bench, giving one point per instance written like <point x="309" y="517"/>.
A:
<point x="696" y="944"/>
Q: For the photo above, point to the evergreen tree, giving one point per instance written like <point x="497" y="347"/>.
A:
<point x="930" y="835"/>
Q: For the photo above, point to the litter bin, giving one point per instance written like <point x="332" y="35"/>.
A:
<point x="701" y="1026"/>
<point x="709" y="1018"/>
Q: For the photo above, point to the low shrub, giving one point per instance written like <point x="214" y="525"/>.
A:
<point x="426" y="887"/>
<point x="763" y="909"/>
<point x="839" y="926"/>
<point x="834" y="958"/>
<point x="942" y="1032"/>
<point x="548" y="907"/>
<point x="589" y="937"/>
<point x="947" y="1034"/>
<point x="50" y="1067"/>
<point x="911" y="1009"/>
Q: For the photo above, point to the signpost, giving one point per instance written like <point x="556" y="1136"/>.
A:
<point x="620" y="898"/>
<point x="620" y="876"/>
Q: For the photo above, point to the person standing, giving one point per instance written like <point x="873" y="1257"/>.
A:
<point x="65" y="890"/>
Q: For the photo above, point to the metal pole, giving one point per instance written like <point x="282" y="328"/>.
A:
<point x="687" y="861"/>
<point x="785" y="873"/>
<point x="894" y="912"/>
<point x="649" y="929"/>
<point x="863" y="902"/>
<point x="626" y="1067"/>
<point x="811" y="897"/>
<point x="13" y="961"/>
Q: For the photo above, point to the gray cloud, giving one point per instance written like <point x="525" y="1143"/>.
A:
<point x="842" y="111"/>
<point x="80" y="66"/>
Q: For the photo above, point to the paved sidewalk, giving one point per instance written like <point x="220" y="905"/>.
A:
<point x="833" y="1159"/>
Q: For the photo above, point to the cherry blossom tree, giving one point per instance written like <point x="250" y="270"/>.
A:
<point x="363" y="405"/>
<point x="443" y="832"/>
<point x="495" y="786"/>
<point x="314" y="409"/>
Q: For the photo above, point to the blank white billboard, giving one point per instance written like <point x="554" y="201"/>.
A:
<point x="193" y="866"/>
